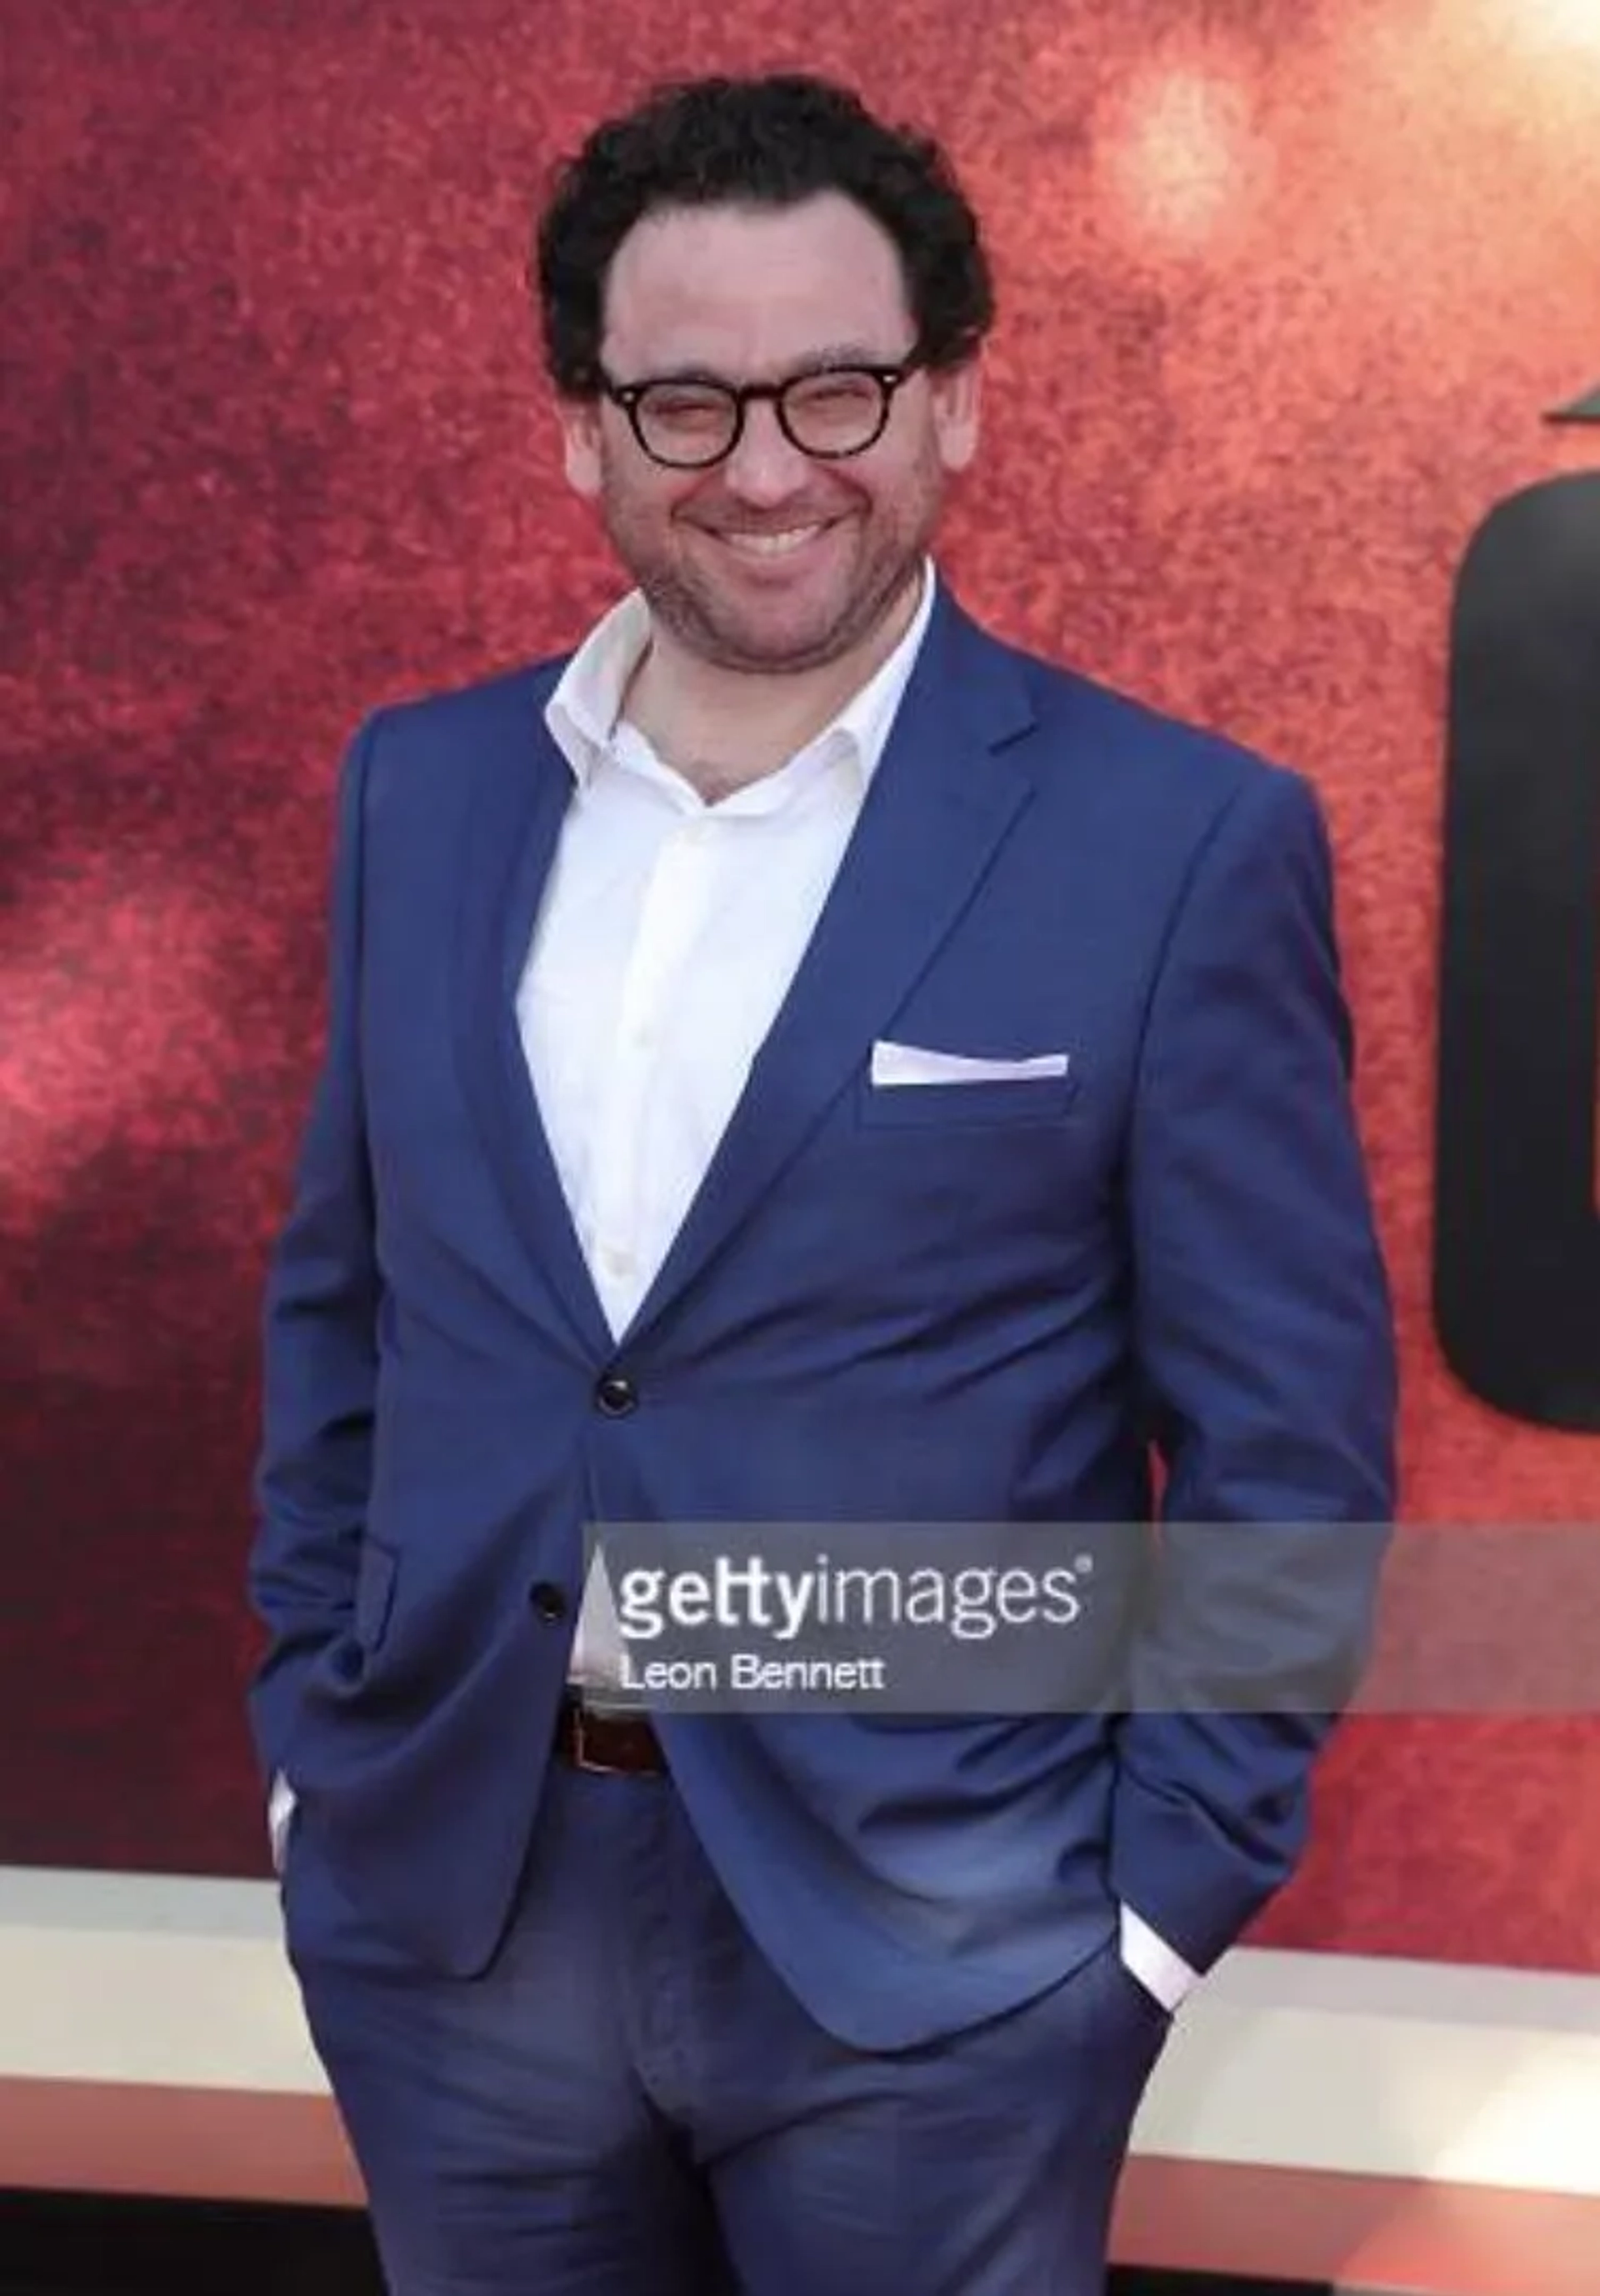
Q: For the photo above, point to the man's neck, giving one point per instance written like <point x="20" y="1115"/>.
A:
<point x="722" y="729"/>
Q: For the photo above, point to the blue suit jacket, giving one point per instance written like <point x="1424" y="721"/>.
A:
<point x="965" y="1303"/>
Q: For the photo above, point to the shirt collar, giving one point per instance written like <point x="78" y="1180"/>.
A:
<point x="581" y="714"/>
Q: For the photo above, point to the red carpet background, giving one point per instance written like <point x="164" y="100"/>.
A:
<point x="1286" y="286"/>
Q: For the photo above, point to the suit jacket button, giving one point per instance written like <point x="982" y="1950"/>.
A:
<point x="616" y="1396"/>
<point x="547" y="1600"/>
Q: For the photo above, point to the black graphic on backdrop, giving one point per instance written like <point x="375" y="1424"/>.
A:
<point x="1516" y="1274"/>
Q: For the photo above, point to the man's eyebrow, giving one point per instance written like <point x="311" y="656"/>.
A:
<point x="856" y="354"/>
<point x="828" y="355"/>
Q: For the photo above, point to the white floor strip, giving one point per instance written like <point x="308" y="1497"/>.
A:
<point x="1308" y="2061"/>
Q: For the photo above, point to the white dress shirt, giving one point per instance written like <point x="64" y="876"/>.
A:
<point x="669" y="934"/>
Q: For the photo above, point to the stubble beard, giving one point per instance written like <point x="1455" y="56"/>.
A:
<point x="688" y="610"/>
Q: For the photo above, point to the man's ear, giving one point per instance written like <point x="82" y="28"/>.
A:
<point x="579" y="420"/>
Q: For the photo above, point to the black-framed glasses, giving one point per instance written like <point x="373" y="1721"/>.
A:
<point x="687" y="422"/>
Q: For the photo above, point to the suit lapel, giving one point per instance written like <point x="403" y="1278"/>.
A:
<point x="941" y="803"/>
<point x="511" y="845"/>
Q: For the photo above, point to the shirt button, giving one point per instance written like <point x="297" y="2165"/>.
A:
<point x="616" y="1396"/>
<point x="615" y="1261"/>
<point x="548" y="1601"/>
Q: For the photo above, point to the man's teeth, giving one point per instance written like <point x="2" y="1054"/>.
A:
<point x="775" y="545"/>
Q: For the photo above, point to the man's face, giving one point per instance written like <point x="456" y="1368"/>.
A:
<point x="771" y="560"/>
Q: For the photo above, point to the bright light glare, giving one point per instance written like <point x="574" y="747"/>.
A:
<point x="1179" y="155"/>
<point x="1536" y="26"/>
<point x="105" y="1022"/>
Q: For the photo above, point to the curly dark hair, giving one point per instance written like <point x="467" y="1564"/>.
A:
<point x="768" y="142"/>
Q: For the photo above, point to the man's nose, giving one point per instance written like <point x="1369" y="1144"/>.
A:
<point x="764" y="466"/>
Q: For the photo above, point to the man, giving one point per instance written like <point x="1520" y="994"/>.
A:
<point x="797" y="1062"/>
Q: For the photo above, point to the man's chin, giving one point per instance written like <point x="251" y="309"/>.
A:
<point x="786" y="636"/>
<point x="775" y="644"/>
<point x="747" y="658"/>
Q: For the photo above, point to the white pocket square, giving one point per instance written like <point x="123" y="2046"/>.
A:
<point x="910" y="1064"/>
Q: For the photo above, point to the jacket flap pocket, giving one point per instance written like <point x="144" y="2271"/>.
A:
<point x="374" y="1592"/>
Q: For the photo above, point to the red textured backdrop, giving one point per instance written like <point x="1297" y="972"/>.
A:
<point x="1286" y="286"/>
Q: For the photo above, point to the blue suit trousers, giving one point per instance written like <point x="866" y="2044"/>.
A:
<point x="629" y="2101"/>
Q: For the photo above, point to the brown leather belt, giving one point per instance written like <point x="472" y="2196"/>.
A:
<point x="590" y="1738"/>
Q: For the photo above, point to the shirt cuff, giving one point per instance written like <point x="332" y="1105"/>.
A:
<point x="1151" y="1961"/>
<point x="280" y="1810"/>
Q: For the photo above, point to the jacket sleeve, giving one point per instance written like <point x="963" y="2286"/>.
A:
<point x="319" y="1363"/>
<point x="1265" y="1348"/>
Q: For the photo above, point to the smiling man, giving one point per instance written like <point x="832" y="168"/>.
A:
<point x="799" y="1062"/>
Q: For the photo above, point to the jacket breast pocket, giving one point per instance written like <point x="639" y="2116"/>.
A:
<point x="946" y="1107"/>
